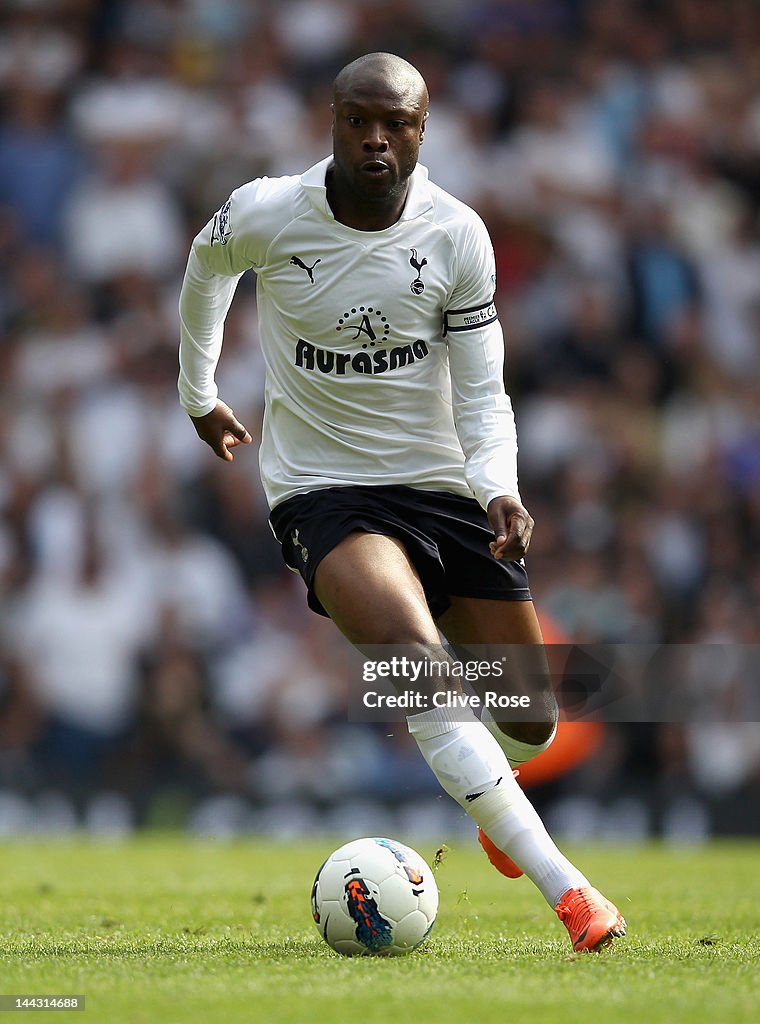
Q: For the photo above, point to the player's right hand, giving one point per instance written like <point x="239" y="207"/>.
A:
<point x="221" y="430"/>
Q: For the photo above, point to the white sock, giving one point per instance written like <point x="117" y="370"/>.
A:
<point x="517" y="752"/>
<point x="473" y="769"/>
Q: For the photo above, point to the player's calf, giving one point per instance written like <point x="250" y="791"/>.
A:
<point x="520" y="741"/>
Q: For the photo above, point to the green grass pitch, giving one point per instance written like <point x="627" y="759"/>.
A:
<point x="164" y="929"/>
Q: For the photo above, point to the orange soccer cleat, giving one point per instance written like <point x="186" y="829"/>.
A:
<point x="592" y="921"/>
<point x="497" y="857"/>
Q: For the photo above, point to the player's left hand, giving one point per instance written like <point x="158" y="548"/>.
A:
<point x="512" y="527"/>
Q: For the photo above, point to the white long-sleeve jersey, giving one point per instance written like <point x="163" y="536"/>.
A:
<point x="383" y="350"/>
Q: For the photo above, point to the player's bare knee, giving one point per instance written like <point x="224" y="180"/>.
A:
<point x="535" y="733"/>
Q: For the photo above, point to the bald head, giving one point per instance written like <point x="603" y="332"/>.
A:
<point x="383" y="73"/>
<point x="379" y="108"/>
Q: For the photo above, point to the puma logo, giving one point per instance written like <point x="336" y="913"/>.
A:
<point x="298" y="262"/>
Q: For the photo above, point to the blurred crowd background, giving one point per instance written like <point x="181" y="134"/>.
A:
<point x="158" y="663"/>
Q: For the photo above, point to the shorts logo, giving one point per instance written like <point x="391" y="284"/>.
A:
<point x="221" y="228"/>
<point x="417" y="287"/>
<point x="297" y="544"/>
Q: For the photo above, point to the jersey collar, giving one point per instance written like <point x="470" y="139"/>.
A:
<point x="418" y="201"/>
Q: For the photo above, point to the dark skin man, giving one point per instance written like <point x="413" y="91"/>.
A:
<point x="367" y="583"/>
<point x="367" y="580"/>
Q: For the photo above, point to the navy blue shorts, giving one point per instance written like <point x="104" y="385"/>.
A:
<point x="446" y="537"/>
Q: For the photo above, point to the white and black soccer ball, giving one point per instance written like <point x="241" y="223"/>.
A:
<point x="374" y="897"/>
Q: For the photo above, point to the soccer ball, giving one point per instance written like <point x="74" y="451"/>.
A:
<point x="374" y="897"/>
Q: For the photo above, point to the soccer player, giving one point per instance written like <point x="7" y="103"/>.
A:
<point x="388" y="454"/>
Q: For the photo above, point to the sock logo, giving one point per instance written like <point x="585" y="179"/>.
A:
<point x="469" y="797"/>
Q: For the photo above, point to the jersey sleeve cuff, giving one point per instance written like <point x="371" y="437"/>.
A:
<point x="199" y="410"/>
<point x="486" y="496"/>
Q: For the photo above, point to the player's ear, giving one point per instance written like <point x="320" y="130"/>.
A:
<point x="422" y="127"/>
